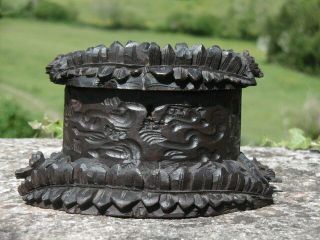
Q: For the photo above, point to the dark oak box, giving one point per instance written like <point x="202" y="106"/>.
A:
<point x="150" y="133"/>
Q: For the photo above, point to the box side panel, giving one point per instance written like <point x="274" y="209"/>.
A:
<point x="133" y="126"/>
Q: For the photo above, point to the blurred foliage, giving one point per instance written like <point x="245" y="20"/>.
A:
<point x="7" y="8"/>
<point x="221" y="18"/>
<point x="294" y="35"/>
<point x="14" y="120"/>
<point x="297" y="140"/>
<point x="47" y="10"/>
<point x="40" y="9"/>
<point x="113" y="16"/>
<point x="47" y="128"/>
<point x="244" y="19"/>
<point x="308" y="118"/>
<point x="203" y="25"/>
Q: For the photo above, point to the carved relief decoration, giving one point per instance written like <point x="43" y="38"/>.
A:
<point x="122" y="131"/>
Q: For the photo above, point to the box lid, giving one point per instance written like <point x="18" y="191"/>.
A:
<point x="146" y="66"/>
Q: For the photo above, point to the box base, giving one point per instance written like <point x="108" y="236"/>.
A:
<point x="153" y="190"/>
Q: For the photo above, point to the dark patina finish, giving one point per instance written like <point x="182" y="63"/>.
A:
<point x="150" y="133"/>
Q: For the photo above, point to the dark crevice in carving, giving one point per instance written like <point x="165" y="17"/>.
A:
<point x="150" y="109"/>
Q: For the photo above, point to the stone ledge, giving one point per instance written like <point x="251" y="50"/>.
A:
<point x="295" y="214"/>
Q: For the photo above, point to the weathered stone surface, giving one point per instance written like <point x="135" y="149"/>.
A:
<point x="295" y="214"/>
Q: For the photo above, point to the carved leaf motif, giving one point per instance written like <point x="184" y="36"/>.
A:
<point x="167" y="203"/>
<point x="106" y="72"/>
<point x="91" y="72"/>
<point x="202" y="179"/>
<point x="183" y="54"/>
<point x="248" y="184"/>
<point x="150" y="199"/>
<point x="103" y="54"/>
<point x="215" y="200"/>
<point x="23" y="172"/>
<point x="152" y="181"/>
<point x="201" y="201"/>
<point x="142" y="53"/>
<point x="52" y="174"/>
<point x="69" y="197"/>
<point x="235" y="65"/>
<point x="95" y="54"/>
<point x="55" y="195"/>
<point x="121" y="73"/>
<point x="199" y="54"/>
<point x="112" y="175"/>
<point x="38" y="195"/>
<point x="207" y="76"/>
<point x="130" y="53"/>
<point x="194" y="74"/>
<point x="130" y="177"/>
<point x="46" y="196"/>
<point x="180" y="73"/>
<point x="214" y="57"/>
<point x="154" y="54"/>
<point x="168" y="55"/>
<point x="226" y="59"/>
<point x="134" y="83"/>
<point x="164" y="180"/>
<point x="102" y="199"/>
<point x="175" y="154"/>
<point x="116" y="52"/>
<point x="77" y="57"/>
<point x="186" y="201"/>
<point x="124" y="199"/>
<point x="163" y="72"/>
<point x="177" y="178"/>
<point x="84" y="197"/>
<point x="152" y="136"/>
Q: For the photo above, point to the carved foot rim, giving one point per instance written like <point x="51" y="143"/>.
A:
<point x="149" y="190"/>
<point x="141" y="204"/>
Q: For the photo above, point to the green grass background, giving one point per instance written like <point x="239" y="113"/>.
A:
<point x="154" y="12"/>
<point x="26" y="46"/>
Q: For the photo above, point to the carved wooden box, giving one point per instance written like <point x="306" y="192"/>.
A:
<point x="150" y="132"/>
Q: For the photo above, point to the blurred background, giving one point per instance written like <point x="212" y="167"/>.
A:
<point x="283" y="36"/>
